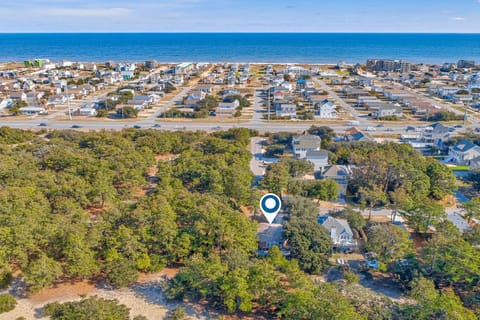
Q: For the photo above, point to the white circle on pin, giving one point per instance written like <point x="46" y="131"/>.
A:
<point x="270" y="204"/>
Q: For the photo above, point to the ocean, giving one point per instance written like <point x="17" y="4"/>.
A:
<point x="240" y="47"/>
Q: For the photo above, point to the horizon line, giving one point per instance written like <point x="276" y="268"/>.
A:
<point x="237" y="32"/>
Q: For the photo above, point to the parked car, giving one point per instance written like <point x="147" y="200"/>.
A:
<point x="137" y="126"/>
<point x="75" y="126"/>
<point x="43" y="124"/>
<point x="370" y="260"/>
<point x="157" y="125"/>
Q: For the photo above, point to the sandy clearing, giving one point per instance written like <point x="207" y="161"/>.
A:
<point x="143" y="298"/>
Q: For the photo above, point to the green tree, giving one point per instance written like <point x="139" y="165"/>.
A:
<point x="372" y="197"/>
<point x="15" y="108"/>
<point x="425" y="214"/>
<point x="7" y="303"/>
<point x="472" y="209"/>
<point x="121" y="272"/>
<point x="127" y="112"/>
<point x="309" y="242"/>
<point x="87" y="309"/>
<point x="354" y="218"/>
<point x="42" y="272"/>
<point x="80" y="259"/>
<point x="179" y="313"/>
<point x="450" y="259"/>
<point x="434" y="305"/>
<point x="389" y="242"/>
<point x="442" y="180"/>
<point x="276" y="178"/>
<point x="473" y="236"/>
<point x="327" y="134"/>
<point x="321" y="302"/>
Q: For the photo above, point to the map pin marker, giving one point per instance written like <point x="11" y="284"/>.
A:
<point x="270" y="205"/>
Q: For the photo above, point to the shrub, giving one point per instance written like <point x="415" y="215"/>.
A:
<point x="179" y="313"/>
<point x="351" y="277"/>
<point x="5" y="278"/>
<point x="7" y="303"/>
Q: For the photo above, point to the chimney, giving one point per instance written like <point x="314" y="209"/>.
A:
<point x="333" y="233"/>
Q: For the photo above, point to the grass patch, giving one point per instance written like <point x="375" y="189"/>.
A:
<point x="460" y="168"/>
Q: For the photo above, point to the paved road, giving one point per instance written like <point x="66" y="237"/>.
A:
<point x="169" y="104"/>
<point x="339" y="100"/>
<point x="97" y="124"/>
<point x="256" y="164"/>
<point x="258" y="109"/>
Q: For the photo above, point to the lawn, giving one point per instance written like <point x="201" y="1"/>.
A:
<point x="460" y="168"/>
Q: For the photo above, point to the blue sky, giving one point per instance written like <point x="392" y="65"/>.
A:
<point x="238" y="16"/>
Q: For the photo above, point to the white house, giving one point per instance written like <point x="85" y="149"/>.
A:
<point x="33" y="111"/>
<point x="304" y="143"/>
<point x="6" y="103"/>
<point x="227" y="108"/>
<point x="387" y="110"/>
<point x="318" y="158"/>
<point x="183" y="68"/>
<point x="87" y="112"/>
<point x="285" y="110"/>
<point x="339" y="229"/>
<point x="326" y="110"/>
<point x="463" y="152"/>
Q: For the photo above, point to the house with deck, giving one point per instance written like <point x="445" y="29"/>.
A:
<point x="463" y="152"/>
<point x="340" y="232"/>
<point x="303" y="143"/>
<point x="326" y="110"/>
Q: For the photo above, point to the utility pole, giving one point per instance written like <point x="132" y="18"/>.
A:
<point x="68" y="104"/>
<point x="268" y="103"/>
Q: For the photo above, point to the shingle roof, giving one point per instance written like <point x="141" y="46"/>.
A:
<point x="329" y="222"/>
<point x="465" y="145"/>
<point x="307" y="141"/>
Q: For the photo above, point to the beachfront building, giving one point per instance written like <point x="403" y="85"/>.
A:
<point x="387" y="65"/>
<point x="183" y="68"/>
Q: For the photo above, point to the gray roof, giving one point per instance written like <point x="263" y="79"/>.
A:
<point x="336" y="171"/>
<point x="439" y="128"/>
<point x="314" y="154"/>
<point x="272" y="233"/>
<point x="465" y="146"/>
<point x="329" y="222"/>
<point x="307" y="141"/>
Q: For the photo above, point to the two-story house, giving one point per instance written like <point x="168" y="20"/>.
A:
<point x="340" y="232"/>
<point x="463" y="152"/>
<point x="304" y="143"/>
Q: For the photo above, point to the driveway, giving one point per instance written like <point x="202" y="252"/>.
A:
<point x="256" y="163"/>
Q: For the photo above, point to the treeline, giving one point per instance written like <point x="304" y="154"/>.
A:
<point x="73" y="205"/>
<point x="78" y="205"/>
